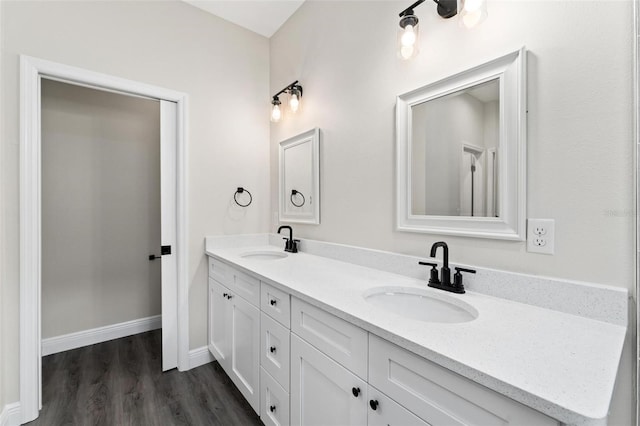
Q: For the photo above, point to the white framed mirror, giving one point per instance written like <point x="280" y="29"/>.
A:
<point x="461" y="153"/>
<point x="299" y="189"/>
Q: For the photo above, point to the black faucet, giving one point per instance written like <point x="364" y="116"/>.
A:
<point x="444" y="283"/>
<point x="291" y="245"/>
<point x="445" y="272"/>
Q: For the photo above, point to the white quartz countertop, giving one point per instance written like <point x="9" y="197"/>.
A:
<point x="560" y="364"/>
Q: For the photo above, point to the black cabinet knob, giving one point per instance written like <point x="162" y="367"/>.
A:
<point x="273" y="302"/>
<point x="355" y="391"/>
<point x="272" y="408"/>
<point x="224" y="294"/>
<point x="229" y="296"/>
<point x="373" y="404"/>
<point x="272" y="349"/>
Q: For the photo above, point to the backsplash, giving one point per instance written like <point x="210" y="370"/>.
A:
<point x="595" y="301"/>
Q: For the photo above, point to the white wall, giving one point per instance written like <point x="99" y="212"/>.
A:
<point x="100" y="208"/>
<point x="580" y="151"/>
<point x="222" y="67"/>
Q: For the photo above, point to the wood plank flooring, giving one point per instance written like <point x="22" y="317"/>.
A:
<point x="121" y="383"/>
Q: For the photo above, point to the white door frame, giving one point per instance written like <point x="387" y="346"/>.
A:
<point x="636" y="193"/>
<point x="31" y="72"/>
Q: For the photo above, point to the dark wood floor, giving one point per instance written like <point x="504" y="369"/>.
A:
<point x="121" y="383"/>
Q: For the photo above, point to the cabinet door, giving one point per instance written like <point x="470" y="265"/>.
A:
<point x="219" y="325"/>
<point x="245" y="349"/>
<point x="274" y="401"/>
<point x="323" y="392"/>
<point x="333" y="336"/>
<point x="440" y="396"/>
<point x="383" y="411"/>
<point x="274" y="350"/>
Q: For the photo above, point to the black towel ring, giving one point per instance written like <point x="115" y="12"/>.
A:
<point x="240" y="190"/>
<point x="293" y="193"/>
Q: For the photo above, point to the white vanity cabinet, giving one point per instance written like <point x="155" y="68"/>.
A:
<point x="219" y="316"/>
<point x="328" y="368"/>
<point x="298" y="364"/>
<point x="340" y="340"/>
<point x="275" y="366"/>
<point x="325" y="393"/>
<point x="439" y="396"/>
<point x="383" y="411"/>
<point x="234" y="329"/>
<point x="322" y="391"/>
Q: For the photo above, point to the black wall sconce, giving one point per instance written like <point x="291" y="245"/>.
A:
<point x="471" y="13"/>
<point x="294" y="90"/>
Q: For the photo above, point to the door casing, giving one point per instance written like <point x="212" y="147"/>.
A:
<point x="32" y="70"/>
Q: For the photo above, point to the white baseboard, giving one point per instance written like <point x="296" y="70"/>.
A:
<point x="200" y="356"/>
<point x="10" y="415"/>
<point x="70" y="341"/>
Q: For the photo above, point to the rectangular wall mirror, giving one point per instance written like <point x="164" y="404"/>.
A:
<point x="461" y="154"/>
<point x="299" y="192"/>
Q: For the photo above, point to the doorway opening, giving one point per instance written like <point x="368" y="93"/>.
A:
<point x="100" y="216"/>
<point x="172" y="177"/>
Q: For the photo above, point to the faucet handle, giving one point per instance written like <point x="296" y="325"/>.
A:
<point x="287" y="244"/>
<point x="457" y="278"/>
<point x="433" y="275"/>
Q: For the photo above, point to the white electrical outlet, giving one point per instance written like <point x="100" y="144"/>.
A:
<point x="540" y="235"/>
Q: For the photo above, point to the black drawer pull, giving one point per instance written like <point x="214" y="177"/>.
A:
<point x="272" y="349"/>
<point x="373" y="404"/>
<point x="355" y="391"/>
<point x="273" y="302"/>
<point x="272" y="408"/>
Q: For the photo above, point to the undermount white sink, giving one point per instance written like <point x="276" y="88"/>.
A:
<point x="264" y="255"/>
<point x="421" y="305"/>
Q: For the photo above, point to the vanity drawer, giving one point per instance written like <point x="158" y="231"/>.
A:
<point x="274" y="344"/>
<point x="439" y="396"/>
<point x="335" y="337"/>
<point x="387" y="412"/>
<point x="274" y="401"/>
<point x="244" y="285"/>
<point x="276" y="303"/>
<point x="218" y="270"/>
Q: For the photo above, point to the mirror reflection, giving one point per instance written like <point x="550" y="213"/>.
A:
<point x="454" y="153"/>
<point x="298" y="178"/>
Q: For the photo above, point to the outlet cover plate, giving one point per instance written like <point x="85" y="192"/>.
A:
<point x="541" y="236"/>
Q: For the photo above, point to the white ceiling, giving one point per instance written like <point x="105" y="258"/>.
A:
<point x="261" y="16"/>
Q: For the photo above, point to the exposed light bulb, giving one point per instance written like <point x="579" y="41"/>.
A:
<point x="472" y="19"/>
<point x="408" y="38"/>
<point x="294" y="102"/>
<point x="473" y="12"/>
<point x="276" y="114"/>
<point x="406" y="52"/>
<point x="472" y="5"/>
